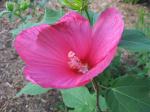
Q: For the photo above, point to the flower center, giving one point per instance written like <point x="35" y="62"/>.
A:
<point x="76" y="64"/>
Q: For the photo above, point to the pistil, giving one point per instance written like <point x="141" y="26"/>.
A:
<point x="75" y="63"/>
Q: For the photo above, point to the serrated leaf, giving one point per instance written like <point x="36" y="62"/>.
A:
<point x="135" y="40"/>
<point x="129" y="94"/>
<point x="32" y="89"/>
<point x="79" y="98"/>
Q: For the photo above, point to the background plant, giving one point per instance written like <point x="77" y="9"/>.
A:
<point x="131" y="1"/>
<point x="143" y="22"/>
<point x="136" y="1"/>
<point x="20" y="8"/>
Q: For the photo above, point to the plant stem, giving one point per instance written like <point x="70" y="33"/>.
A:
<point x="96" y="88"/>
<point x="86" y="11"/>
<point x="85" y="8"/>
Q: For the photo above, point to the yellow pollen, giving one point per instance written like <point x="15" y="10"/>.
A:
<point x="75" y="63"/>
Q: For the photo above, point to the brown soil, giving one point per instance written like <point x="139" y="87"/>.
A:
<point x="11" y="77"/>
<point x="11" y="80"/>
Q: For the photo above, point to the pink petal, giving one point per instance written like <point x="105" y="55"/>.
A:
<point x="78" y="32"/>
<point x="106" y="34"/>
<point x="102" y="65"/>
<point x="57" y="77"/>
<point x="38" y="46"/>
<point x="64" y="78"/>
<point x="44" y="49"/>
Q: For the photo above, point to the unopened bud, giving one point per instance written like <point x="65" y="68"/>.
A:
<point x="10" y="6"/>
<point x="24" y="5"/>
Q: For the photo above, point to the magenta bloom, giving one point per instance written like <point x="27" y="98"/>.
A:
<point x="69" y="53"/>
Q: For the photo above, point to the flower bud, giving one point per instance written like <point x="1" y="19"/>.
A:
<point x="10" y="6"/>
<point x="17" y="13"/>
<point x="24" y="5"/>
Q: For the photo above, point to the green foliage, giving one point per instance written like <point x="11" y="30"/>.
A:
<point x="22" y="27"/>
<point x="32" y="89"/>
<point x="73" y="4"/>
<point x="143" y="22"/>
<point x="129" y="94"/>
<point x="103" y="104"/>
<point x="21" y="8"/>
<point x="50" y="16"/>
<point x="24" y="5"/>
<point x="143" y="59"/>
<point x="10" y="6"/>
<point x="135" y="40"/>
<point x="80" y="99"/>
<point x="136" y="1"/>
<point x="78" y="5"/>
<point x="131" y="1"/>
<point x="143" y="62"/>
<point x="17" y="9"/>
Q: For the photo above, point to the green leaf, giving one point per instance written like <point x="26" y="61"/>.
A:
<point x="102" y="103"/>
<point x="73" y="4"/>
<point x="82" y="109"/>
<point x="32" y="89"/>
<point x="135" y="40"/>
<point x="22" y="27"/>
<point x="79" y="98"/>
<point x="51" y="16"/>
<point x="129" y="94"/>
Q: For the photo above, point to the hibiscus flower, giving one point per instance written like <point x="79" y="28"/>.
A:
<point x="69" y="53"/>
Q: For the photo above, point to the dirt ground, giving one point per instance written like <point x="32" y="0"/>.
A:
<point x="11" y="77"/>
